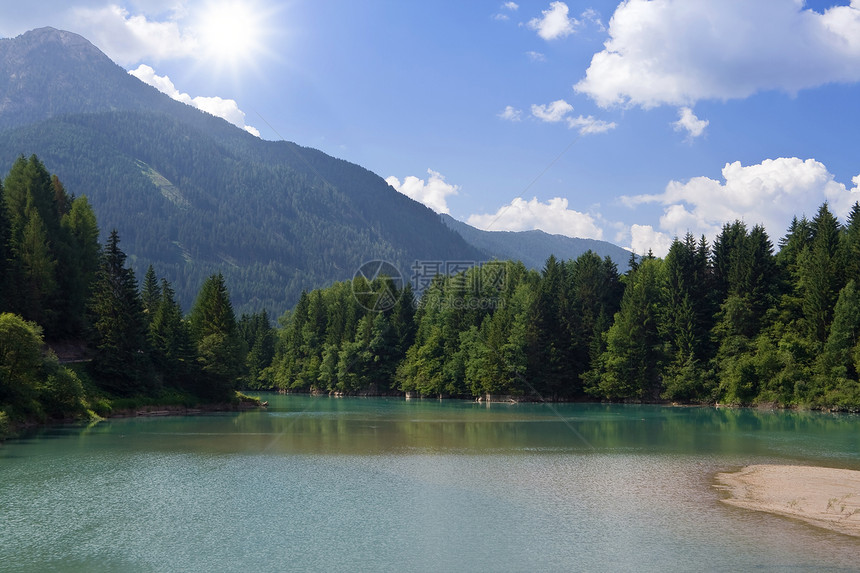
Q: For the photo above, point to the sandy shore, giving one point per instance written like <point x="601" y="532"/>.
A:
<point x="825" y="497"/>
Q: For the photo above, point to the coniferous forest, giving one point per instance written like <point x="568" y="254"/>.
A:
<point x="734" y="322"/>
<point x="59" y="286"/>
<point x="739" y="322"/>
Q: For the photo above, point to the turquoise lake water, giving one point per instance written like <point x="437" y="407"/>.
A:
<point x="352" y="484"/>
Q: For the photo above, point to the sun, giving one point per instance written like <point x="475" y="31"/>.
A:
<point x="232" y="32"/>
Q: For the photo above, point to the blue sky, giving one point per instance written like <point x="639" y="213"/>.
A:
<point x="631" y="122"/>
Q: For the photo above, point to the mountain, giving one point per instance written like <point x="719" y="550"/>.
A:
<point x="192" y="194"/>
<point x="533" y="248"/>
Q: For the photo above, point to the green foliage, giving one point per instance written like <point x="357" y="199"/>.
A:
<point x="21" y="362"/>
<point x="54" y="270"/>
<point x="220" y="349"/>
<point x="630" y="366"/>
<point x="734" y="324"/>
<point x="62" y="395"/>
<point x="122" y="360"/>
<point x="169" y="336"/>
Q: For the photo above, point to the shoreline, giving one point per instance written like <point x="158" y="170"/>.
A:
<point x="824" y="497"/>
<point x="242" y="404"/>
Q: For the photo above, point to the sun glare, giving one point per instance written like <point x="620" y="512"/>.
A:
<point x="231" y="32"/>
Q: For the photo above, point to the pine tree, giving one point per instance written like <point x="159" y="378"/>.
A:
<point x="80" y="266"/>
<point x="631" y="365"/>
<point x="594" y="289"/>
<point x="121" y="361"/>
<point x="821" y="274"/>
<point x="37" y="269"/>
<point x="550" y="338"/>
<point x="836" y="361"/>
<point x="850" y="255"/>
<point x="150" y="294"/>
<point x="40" y="246"/>
<point x="29" y="183"/>
<point x="259" y="338"/>
<point x="219" y="347"/>
<point x="173" y="353"/>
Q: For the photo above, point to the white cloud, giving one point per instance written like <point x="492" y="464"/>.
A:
<point x="552" y="112"/>
<point x="589" y="125"/>
<point x="510" y="7"/>
<point x="224" y="108"/>
<point x="536" y="56"/>
<point x="127" y="39"/>
<point x="511" y="114"/>
<point x="552" y="217"/>
<point x="433" y="193"/>
<point x="678" y="52"/>
<point x="591" y="15"/>
<point x="558" y="111"/>
<point x="769" y="193"/>
<point x="688" y="121"/>
<point x="644" y="238"/>
<point x="555" y="22"/>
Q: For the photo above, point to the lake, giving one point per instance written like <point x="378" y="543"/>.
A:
<point x="353" y="484"/>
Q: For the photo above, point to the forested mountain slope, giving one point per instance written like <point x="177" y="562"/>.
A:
<point x="192" y="194"/>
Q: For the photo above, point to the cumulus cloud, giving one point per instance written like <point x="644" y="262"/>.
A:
<point x="559" y="111"/>
<point x="433" y="193"/>
<point x="510" y="113"/>
<point x="127" y="39"/>
<point x="644" y="238"/>
<point x="687" y="121"/>
<point x="678" y="52"/>
<point x="552" y="112"/>
<point x="552" y="217"/>
<point x="769" y="193"/>
<point x="224" y="108"/>
<point x="554" y="22"/>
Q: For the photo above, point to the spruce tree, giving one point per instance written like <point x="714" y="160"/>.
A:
<point x="121" y="361"/>
<point x="821" y="274"/>
<point x="259" y="338"/>
<point x="80" y="266"/>
<point x="220" y="351"/>
<point x="38" y="282"/>
<point x="631" y="365"/>
<point x="150" y="294"/>
<point x="850" y="256"/>
<point x="173" y="352"/>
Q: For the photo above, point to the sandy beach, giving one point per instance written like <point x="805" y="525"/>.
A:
<point x="825" y="497"/>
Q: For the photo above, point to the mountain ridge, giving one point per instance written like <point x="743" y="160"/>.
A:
<point x="192" y="194"/>
<point x="534" y="247"/>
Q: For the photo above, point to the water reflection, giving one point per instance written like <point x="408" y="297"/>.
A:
<point x="305" y="425"/>
<point x="389" y="485"/>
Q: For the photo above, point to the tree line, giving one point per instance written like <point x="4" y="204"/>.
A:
<point x="732" y="322"/>
<point x="59" y="285"/>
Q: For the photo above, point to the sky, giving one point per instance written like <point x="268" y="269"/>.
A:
<point x="631" y="122"/>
